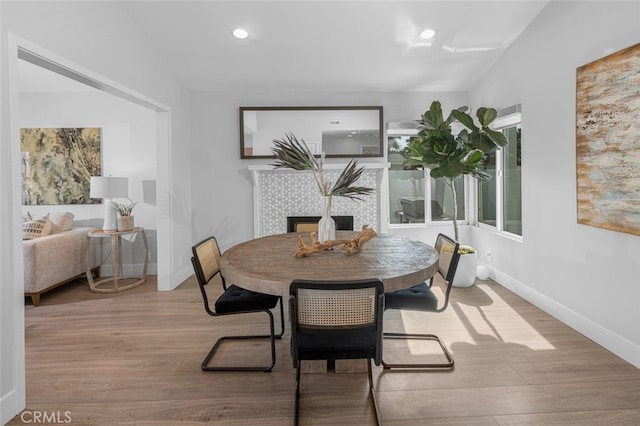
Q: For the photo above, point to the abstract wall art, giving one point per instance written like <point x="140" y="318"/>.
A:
<point x="57" y="164"/>
<point x="608" y="142"/>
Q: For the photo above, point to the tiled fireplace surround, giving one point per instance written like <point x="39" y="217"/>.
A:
<point x="279" y="193"/>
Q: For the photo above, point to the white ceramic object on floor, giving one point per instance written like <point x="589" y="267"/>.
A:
<point x="482" y="272"/>
<point x="466" y="272"/>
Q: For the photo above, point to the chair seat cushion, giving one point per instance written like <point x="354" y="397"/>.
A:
<point x="236" y="299"/>
<point x="416" y="298"/>
<point x="355" y="344"/>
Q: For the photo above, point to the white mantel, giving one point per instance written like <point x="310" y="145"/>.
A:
<point x="279" y="193"/>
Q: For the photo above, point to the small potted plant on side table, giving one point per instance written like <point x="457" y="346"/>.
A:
<point x="125" y="218"/>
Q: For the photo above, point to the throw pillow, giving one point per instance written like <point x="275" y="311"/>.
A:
<point x="38" y="227"/>
<point x="61" y="221"/>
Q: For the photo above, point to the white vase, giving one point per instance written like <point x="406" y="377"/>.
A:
<point x="326" y="224"/>
<point x="466" y="271"/>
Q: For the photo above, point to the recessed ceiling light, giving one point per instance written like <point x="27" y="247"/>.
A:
<point x="240" y="33"/>
<point x="427" y="34"/>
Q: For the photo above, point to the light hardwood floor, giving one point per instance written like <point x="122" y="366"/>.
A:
<point x="134" y="358"/>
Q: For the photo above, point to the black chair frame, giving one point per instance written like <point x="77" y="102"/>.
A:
<point x="447" y="271"/>
<point x="202" y="282"/>
<point x="331" y="354"/>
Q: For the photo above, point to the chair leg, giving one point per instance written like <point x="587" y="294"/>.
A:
<point x="445" y="365"/>
<point x="278" y="336"/>
<point x="372" y="391"/>
<point x="204" y="366"/>
<point x="297" y="397"/>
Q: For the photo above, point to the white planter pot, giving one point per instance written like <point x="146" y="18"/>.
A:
<point x="466" y="272"/>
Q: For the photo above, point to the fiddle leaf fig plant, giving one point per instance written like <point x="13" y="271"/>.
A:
<point x="450" y="155"/>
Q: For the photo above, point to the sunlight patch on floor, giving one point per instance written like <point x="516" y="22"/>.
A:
<point x="475" y="315"/>
<point x="487" y="319"/>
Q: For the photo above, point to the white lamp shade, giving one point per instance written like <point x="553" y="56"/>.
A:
<point x="109" y="187"/>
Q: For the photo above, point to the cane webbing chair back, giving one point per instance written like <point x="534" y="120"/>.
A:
<point x="306" y="227"/>
<point x="326" y="308"/>
<point x="310" y="223"/>
<point x="448" y="257"/>
<point x="208" y="255"/>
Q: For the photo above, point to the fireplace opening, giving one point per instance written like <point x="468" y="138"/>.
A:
<point x="343" y="223"/>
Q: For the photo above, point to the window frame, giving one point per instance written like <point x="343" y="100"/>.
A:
<point x="401" y="129"/>
<point x="509" y="117"/>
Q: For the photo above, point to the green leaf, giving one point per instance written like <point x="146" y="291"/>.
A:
<point x="411" y="162"/>
<point x="496" y="137"/>
<point x="465" y="119"/>
<point x="473" y="156"/>
<point x="294" y="154"/>
<point x="463" y="137"/>
<point x="436" y="173"/>
<point x="486" y="116"/>
<point x="433" y="118"/>
<point x="483" y="142"/>
<point x="344" y="186"/>
<point x="480" y="174"/>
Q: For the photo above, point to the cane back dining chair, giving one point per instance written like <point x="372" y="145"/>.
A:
<point x="310" y="223"/>
<point x="336" y="320"/>
<point x="234" y="300"/>
<point x="421" y="298"/>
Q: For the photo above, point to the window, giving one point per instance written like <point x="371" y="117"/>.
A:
<point x="406" y="185"/>
<point x="500" y="199"/>
<point x="410" y="187"/>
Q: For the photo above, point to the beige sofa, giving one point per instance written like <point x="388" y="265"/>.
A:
<point x="52" y="260"/>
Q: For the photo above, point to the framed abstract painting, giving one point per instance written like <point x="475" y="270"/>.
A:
<point x="608" y="142"/>
<point x="57" y="164"/>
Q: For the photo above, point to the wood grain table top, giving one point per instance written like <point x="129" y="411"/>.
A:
<point x="268" y="265"/>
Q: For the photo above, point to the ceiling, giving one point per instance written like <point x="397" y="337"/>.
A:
<point x="330" y="45"/>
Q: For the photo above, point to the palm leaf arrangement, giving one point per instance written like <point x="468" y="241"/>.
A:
<point x="295" y="154"/>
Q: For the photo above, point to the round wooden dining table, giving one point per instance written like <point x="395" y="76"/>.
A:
<point x="268" y="264"/>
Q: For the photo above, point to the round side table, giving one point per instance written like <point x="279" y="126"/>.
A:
<point x="118" y="281"/>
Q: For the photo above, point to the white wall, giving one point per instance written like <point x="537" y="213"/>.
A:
<point x="221" y="182"/>
<point x="100" y="40"/>
<point x="128" y="149"/>
<point x="587" y="277"/>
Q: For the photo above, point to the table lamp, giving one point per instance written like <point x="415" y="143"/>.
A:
<point x="108" y="187"/>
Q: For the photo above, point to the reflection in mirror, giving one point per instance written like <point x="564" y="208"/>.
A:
<point x="336" y="131"/>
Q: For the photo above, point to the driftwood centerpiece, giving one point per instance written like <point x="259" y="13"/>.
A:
<point x="349" y="246"/>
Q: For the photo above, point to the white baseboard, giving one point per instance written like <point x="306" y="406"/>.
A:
<point x="619" y="345"/>
<point x="11" y="404"/>
<point x="181" y="276"/>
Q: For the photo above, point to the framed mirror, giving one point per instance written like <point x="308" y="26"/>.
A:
<point x="337" y="131"/>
